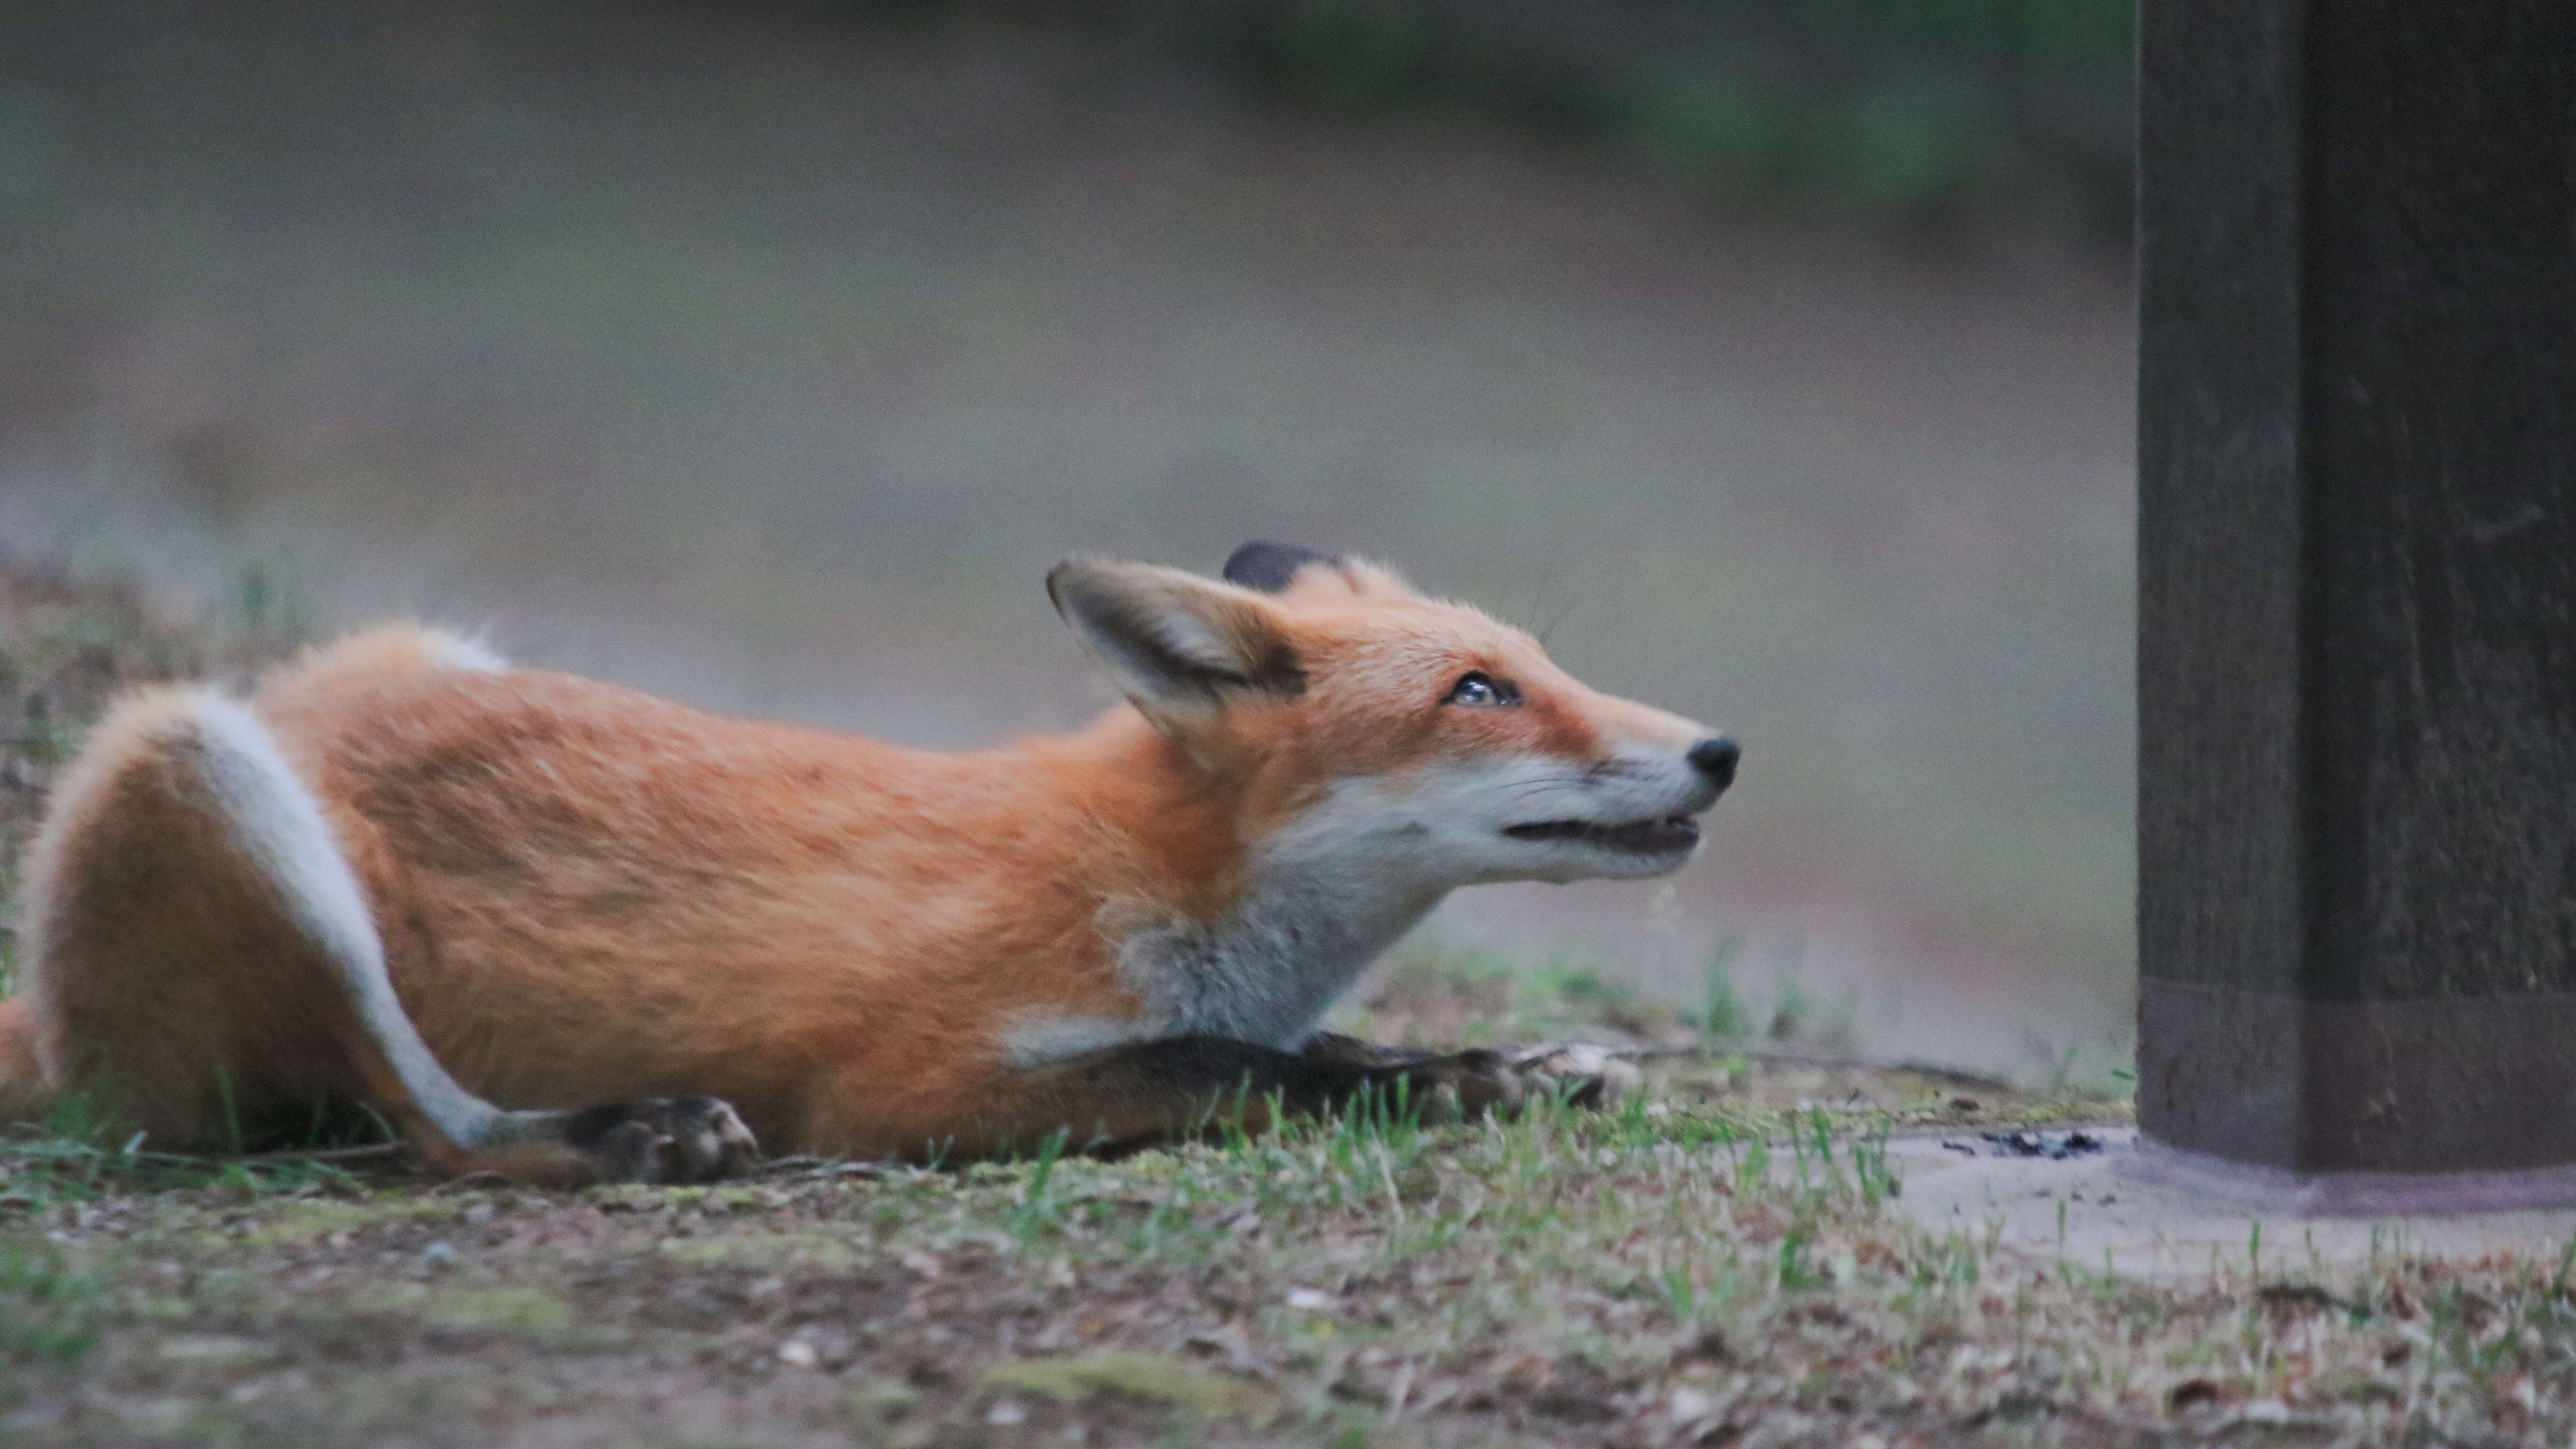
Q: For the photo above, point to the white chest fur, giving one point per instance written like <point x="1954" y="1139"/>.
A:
<point x="1270" y="972"/>
<point x="1266" y="974"/>
<point x="1327" y="896"/>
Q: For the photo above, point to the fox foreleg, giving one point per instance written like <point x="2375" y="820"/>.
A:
<point x="1177" y="1088"/>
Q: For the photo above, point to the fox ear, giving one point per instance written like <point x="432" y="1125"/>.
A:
<point x="1271" y="567"/>
<point x="1278" y="568"/>
<point x="1176" y="644"/>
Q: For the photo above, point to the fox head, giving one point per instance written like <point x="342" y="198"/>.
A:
<point x="1388" y="738"/>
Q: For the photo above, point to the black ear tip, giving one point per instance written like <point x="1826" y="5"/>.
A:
<point x="1055" y="579"/>
<point x="1269" y="566"/>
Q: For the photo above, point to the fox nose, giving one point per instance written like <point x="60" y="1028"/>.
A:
<point x="1715" y="759"/>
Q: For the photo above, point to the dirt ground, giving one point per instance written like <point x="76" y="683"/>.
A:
<point x="1538" y="1283"/>
<point x="1708" y="1263"/>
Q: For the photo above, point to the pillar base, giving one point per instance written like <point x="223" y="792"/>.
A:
<point x="2349" y="1194"/>
<point x="2367" y="1090"/>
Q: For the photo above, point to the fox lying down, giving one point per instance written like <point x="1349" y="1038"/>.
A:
<point x="568" y="932"/>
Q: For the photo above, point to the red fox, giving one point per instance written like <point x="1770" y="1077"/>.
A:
<point x="568" y="932"/>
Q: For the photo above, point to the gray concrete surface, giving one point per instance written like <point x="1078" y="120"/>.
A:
<point x="2097" y="1210"/>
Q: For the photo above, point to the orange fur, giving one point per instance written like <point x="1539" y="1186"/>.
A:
<point x="585" y="894"/>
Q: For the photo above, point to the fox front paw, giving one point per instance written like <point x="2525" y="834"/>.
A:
<point x="664" y="1140"/>
<point x="1586" y="1075"/>
<point x="1504" y="1081"/>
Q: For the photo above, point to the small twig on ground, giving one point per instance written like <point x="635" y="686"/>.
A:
<point x="43" y="1149"/>
<point x="368" y="1153"/>
<point x="807" y="1164"/>
<point x="473" y="1180"/>
<point x="1804" y="1057"/>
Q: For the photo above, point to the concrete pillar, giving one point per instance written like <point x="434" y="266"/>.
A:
<point x="2357" y="600"/>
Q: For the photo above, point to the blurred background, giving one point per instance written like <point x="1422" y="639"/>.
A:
<point x="1773" y="355"/>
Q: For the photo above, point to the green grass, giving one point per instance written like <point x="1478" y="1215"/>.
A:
<point x="50" y="1306"/>
<point x="1679" y="1269"/>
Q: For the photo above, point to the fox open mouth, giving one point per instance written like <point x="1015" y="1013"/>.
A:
<point x="1667" y="835"/>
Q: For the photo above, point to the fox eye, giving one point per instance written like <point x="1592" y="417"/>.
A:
<point x="1480" y="688"/>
